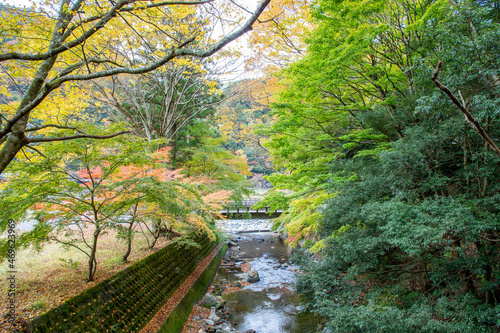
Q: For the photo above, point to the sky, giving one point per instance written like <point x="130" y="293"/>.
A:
<point x="17" y="2"/>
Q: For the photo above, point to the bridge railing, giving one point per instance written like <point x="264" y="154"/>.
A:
<point x="245" y="206"/>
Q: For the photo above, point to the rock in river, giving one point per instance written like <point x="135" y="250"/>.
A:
<point x="253" y="277"/>
<point x="210" y="301"/>
<point x="213" y="316"/>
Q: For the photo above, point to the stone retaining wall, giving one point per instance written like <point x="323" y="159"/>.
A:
<point x="177" y="318"/>
<point x="127" y="301"/>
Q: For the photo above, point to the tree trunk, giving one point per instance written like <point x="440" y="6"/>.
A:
<point x="92" y="263"/>
<point x="129" y="234"/>
<point x="156" y="233"/>
<point x="153" y="242"/>
<point x="17" y="138"/>
<point x="129" y="243"/>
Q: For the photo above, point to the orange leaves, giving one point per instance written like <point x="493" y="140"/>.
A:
<point x="39" y="206"/>
<point x="87" y="175"/>
<point x="216" y="200"/>
<point x="217" y="197"/>
<point x="165" y="175"/>
<point x="176" y="197"/>
<point x="155" y="167"/>
<point x="162" y="155"/>
<point x="129" y="172"/>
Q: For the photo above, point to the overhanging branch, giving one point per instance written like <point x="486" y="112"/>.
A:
<point x="102" y="21"/>
<point x="179" y="51"/>
<point x="79" y="136"/>
<point x="37" y="128"/>
<point x="468" y="116"/>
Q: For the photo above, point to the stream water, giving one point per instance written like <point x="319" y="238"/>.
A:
<point x="267" y="306"/>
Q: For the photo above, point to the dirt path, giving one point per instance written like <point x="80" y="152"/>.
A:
<point x="161" y="316"/>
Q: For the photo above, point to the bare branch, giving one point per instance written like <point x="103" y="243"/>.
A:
<point x="36" y="150"/>
<point x="79" y="136"/>
<point x="247" y="26"/>
<point x="468" y="116"/>
<point x="37" y="128"/>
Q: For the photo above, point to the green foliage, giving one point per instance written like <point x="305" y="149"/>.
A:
<point x="226" y="171"/>
<point x="185" y="242"/>
<point x="408" y="239"/>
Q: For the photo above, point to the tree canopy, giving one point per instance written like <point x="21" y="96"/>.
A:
<point x="52" y="50"/>
<point x="405" y="191"/>
<point x="380" y="117"/>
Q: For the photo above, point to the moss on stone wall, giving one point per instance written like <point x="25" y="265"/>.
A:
<point x="128" y="300"/>
<point x="179" y="315"/>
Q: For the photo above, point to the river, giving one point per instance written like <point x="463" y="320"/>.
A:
<point x="267" y="306"/>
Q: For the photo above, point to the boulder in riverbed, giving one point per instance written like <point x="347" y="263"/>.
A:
<point x="213" y="316"/>
<point x="224" y="328"/>
<point x="253" y="277"/>
<point x="221" y="301"/>
<point x="210" y="301"/>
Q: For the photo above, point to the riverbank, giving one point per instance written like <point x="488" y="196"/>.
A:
<point x="268" y="305"/>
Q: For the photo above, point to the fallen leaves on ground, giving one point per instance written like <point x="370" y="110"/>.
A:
<point x="161" y="316"/>
<point x="41" y="286"/>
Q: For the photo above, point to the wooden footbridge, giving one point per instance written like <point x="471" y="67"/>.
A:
<point x="239" y="209"/>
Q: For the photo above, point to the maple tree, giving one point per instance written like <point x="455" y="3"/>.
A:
<point x="80" y="189"/>
<point x="166" y="202"/>
<point x="70" y="193"/>
<point x="63" y="44"/>
<point x="170" y="201"/>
